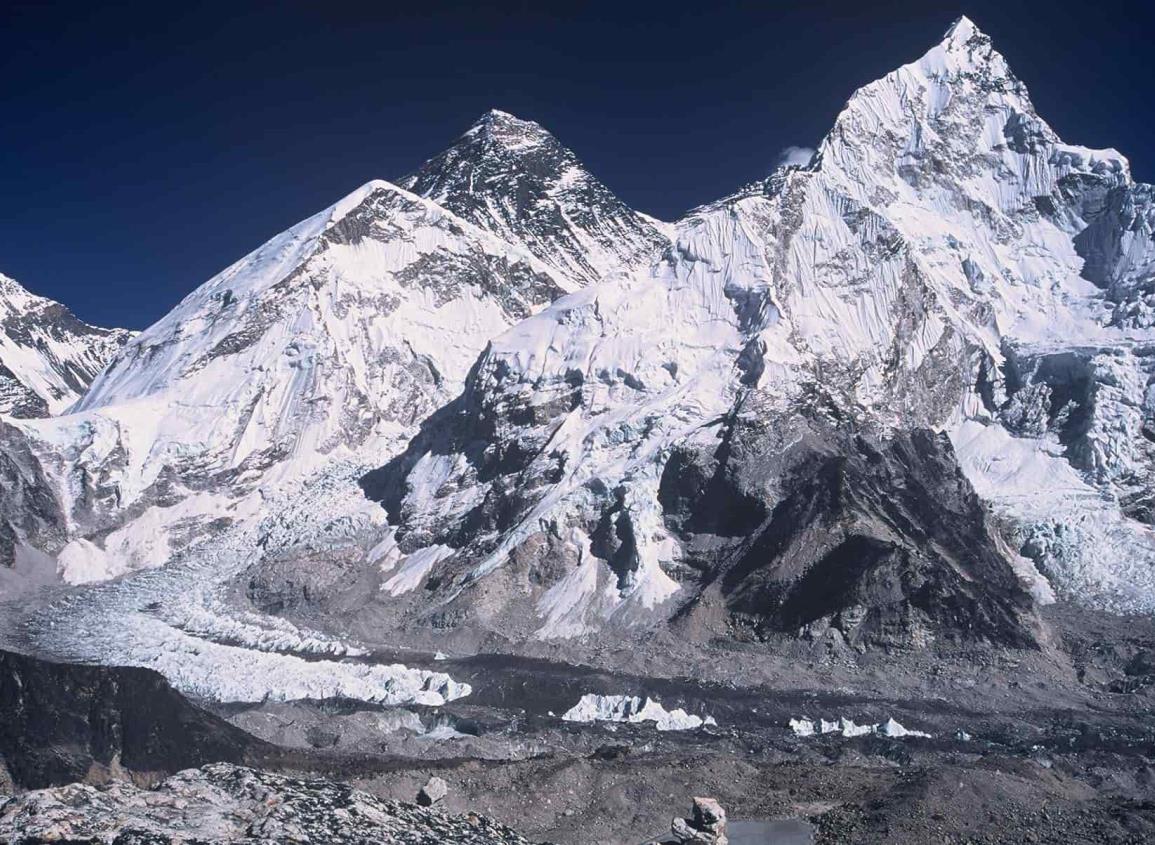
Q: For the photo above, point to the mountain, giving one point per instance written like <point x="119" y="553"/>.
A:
<point x="327" y="344"/>
<point x="896" y="396"/>
<point x="514" y="179"/>
<point x="739" y="440"/>
<point x="47" y="356"/>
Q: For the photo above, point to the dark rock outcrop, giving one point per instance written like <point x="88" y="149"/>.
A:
<point x="881" y="539"/>
<point x="64" y="723"/>
<point x="29" y="512"/>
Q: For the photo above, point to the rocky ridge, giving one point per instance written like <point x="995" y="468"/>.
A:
<point x="48" y="357"/>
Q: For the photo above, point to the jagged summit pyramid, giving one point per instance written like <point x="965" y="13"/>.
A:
<point x="513" y="178"/>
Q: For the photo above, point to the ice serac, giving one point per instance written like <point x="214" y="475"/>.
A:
<point x="48" y="357"/>
<point x="513" y="178"/>
<point x="796" y="349"/>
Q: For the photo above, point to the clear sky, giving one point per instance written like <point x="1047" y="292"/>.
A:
<point x="146" y="146"/>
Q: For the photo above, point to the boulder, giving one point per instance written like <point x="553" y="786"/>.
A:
<point x="434" y="790"/>
<point x="706" y="826"/>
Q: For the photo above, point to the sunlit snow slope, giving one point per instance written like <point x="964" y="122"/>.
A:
<point x="333" y="339"/>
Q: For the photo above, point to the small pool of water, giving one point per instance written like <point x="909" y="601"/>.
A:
<point x="778" y="832"/>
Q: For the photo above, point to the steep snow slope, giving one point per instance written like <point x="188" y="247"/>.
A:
<point x="941" y="223"/>
<point x="47" y="356"/>
<point x="334" y="338"/>
<point x="340" y="333"/>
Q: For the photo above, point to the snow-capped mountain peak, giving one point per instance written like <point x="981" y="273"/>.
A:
<point x="48" y="357"/>
<point x="332" y="339"/>
<point x="941" y="223"/>
<point x="513" y="178"/>
<point x="500" y="129"/>
<point x="585" y="417"/>
<point x="962" y="32"/>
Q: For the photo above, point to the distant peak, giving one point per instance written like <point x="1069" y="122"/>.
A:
<point x="497" y="116"/>
<point x="961" y="33"/>
<point x="507" y="130"/>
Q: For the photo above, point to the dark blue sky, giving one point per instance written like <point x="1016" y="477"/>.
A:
<point x="146" y="146"/>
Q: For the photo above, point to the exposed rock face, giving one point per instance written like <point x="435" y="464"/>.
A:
<point x="65" y="723"/>
<point x="881" y="540"/>
<point x="222" y="803"/>
<point x="47" y="356"/>
<point x="513" y="178"/>
<point x="32" y="522"/>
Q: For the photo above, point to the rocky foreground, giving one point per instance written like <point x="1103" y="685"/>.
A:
<point x="223" y="803"/>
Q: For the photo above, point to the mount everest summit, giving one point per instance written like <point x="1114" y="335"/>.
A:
<point x="900" y="393"/>
<point x="332" y="339"/>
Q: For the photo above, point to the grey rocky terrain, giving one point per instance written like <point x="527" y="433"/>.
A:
<point x="221" y="804"/>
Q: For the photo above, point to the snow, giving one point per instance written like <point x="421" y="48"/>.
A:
<point x="413" y="568"/>
<point x="802" y="727"/>
<point x="633" y="709"/>
<point x="53" y="357"/>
